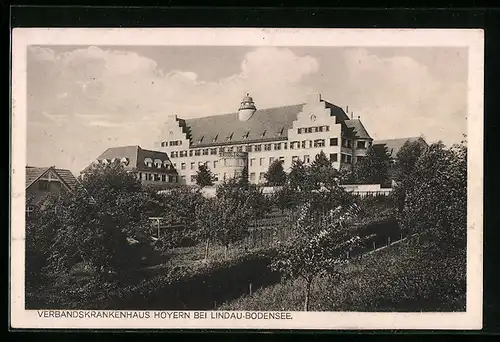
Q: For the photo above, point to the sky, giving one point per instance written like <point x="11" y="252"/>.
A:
<point x="85" y="99"/>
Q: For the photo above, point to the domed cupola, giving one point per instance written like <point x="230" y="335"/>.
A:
<point x="247" y="108"/>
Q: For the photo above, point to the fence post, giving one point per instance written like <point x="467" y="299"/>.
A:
<point x="250" y="289"/>
<point x="373" y="244"/>
<point x="388" y="240"/>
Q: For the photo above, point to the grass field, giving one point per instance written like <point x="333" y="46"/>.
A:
<point x="406" y="277"/>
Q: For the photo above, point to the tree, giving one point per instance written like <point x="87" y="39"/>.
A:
<point x="257" y="203"/>
<point x="298" y="177"/>
<point x="100" y="219"/>
<point x="243" y="179"/>
<point x="224" y="219"/>
<point x="373" y="169"/>
<point x="323" y="173"/>
<point x="275" y="175"/>
<point x="204" y="176"/>
<point x="318" y="244"/>
<point x="436" y="196"/>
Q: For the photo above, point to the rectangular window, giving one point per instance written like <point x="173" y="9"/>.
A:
<point x="225" y="175"/>
<point x="333" y="157"/>
<point x="310" y="145"/>
<point x="140" y="176"/>
<point x="252" y="176"/>
<point x="294" y="158"/>
<point x="319" y="143"/>
<point x="361" y="144"/>
<point x="183" y="166"/>
<point x="240" y="162"/>
<point x="248" y="148"/>
<point x="216" y="177"/>
<point x="299" y="131"/>
<point x="258" y="148"/>
<point x="197" y="152"/>
<point x="205" y="152"/>
<point x="213" y="151"/>
<point x="261" y="176"/>
<point x="221" y="150"/>
<point x="334" y="141"/>
<point x="230" y="149"/>
<point x="183" y="178"/>
<point x="163" y="178"/>
<point x="320" y="128"/>
<point x="303" y="144"/>
<point x="190" y="153"/>
<point x="285" y="146"/>
<point x="239" y="149"/>
<point x="309" y="130"/>
<point x="150" y="176"/>
<point x="192" y="165"/>
<point x="193" y="178"/>
<point x="327" y="128"/>
<point x="306" y="159"/>
<point x="267" y="147"/>
<point x="282" y="159"/>
<point x="349" y="158"/>
<point x="252" y="161"/>
<point x="172" y="154"/>
<point x="277" y="146"/>
<point x="271" y="160"/>
<point x="200" y="164"/>
<point x="316" y="129"/>
<point x="215" y="164"/>
<point x="261" y="161"/>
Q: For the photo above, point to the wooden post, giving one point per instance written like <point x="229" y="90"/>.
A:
<point x="388" y="240"/>
<point x="373" y="244"/>
<point x="250" y="289"/>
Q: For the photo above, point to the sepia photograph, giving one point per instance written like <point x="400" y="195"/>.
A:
<point x="248" y="178"/>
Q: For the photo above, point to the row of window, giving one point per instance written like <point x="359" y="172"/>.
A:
<point x="171" y="143"/>
<point x="157" y="177"/>
<point x="158" y="163"/>
<point x="313" y="129"/>
<point x="263" y="147"/>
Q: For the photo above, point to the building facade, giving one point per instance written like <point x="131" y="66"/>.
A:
<point x="257" y="137"/>
<point x="41" y="182"/>
<point x="150" y="167"/>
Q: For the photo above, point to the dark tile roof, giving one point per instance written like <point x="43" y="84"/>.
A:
<point x="355" y="129"/>
<point x="394" y="145"/>
<point x="34" y="173"/>
<point x="135" y="154"/>
<point x="264" y="125"/>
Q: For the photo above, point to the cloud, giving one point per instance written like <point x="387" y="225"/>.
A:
<point x="107" y="97"/>
<point x="397" y="97"/>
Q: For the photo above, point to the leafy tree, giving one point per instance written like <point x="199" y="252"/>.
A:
<point x="323" y="173"/>
<point x="374" y="167"/>
<point x="298" y="178"/>
<point x="257" y="203"/>
<point x="436" y="196"/>
<point x="318" y="244"/>
<point x="243" y="181"/>
<point x="204" y="176"/>
<point x="100" y="219"/>
<point x="406" y="159"/>
<point x="275" y="175"/>
<point x="226" y="220"/>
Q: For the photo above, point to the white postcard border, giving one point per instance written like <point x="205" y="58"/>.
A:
<point x="471" y="38"/>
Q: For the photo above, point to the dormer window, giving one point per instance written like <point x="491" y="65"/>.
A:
<point x="158" y="163"/>
<point x="263" y="134"/>
<point x="166" y="163"/>
<point x="215" y="139"/>
<point x="245" y="136"/>
<point x="105" y="161"/>
<point x="201" y="139"/>
<point x="124" y="161"/>
<point x="280" y="132"/>
<point x="95" y="162"/>
<point x="148" y="162"/>
<point x="230" y="137"/>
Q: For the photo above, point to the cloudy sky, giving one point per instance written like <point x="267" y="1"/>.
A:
<point x="82" y="100"/>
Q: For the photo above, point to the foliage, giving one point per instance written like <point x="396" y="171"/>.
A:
<point x="436" y="195"/>
<point x="178" y="206"/>
<point x="372" y="169"/>
<point x="275" y="175"/>
<point x="243" y="181"/>
<point x="401" y="278"/>
<point x="204" y="176"/>
<point x="319" y="241"/>
<point x="100" y="219"/>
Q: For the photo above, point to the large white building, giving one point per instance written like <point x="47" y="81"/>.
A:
<point x="257" y="137"/>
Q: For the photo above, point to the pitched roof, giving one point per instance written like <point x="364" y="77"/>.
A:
<point x="265" y="124"/>
<point x="394" y="145"/>
<point x="34" y="173"/>
<point x="134" y="153"/>
<point x="356" y="129"/>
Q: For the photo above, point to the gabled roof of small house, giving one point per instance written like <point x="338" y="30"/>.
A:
<point x="34" y="173"/>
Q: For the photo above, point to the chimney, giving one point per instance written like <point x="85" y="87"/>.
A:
<point x="359" y="117"/>
<point x="352" y="115"/>
<point x="347" y="109"/>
